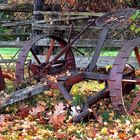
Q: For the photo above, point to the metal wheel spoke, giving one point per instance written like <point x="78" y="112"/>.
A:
<point x="50" y="50"/>
<point x="137" y="55"/>
<point x="34" y="55"/>
<point x="134" y="103"/>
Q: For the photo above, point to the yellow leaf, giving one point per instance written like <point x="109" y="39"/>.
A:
<point x="104" y="131"/>
<point x="71" y="128"/>
<point x="137" y="131"/>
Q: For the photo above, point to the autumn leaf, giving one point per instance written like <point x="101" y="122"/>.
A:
<point x="59" y="109"/>
<point x="2" y="138"/>
<point x="137" y="137"/>
<point x="122" y="135"/>
<point x="23" y="112"/>
<point x="2" y="120"/>
<point x="58" y="117"/>
<point x="70" y="1"/>
<point x="35" y="110"/>
<point x="57" y="121"/>
<point x="41" y="118"/>
<point x="74" y="138"/>
<point x="91" y="134"/>
<point x="104" y="131"/>
<point x="60" y="135"/>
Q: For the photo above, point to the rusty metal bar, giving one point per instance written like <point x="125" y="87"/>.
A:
<point x="69" y="45"/>
<point x="99" y="46"/>
<point x="2" y="83"/>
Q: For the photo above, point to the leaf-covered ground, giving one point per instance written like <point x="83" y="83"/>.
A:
<point x="48" y="117"/>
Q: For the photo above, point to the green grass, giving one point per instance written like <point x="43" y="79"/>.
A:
<point x="8" y="52"/>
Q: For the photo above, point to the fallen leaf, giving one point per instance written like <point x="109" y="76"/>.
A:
<point x="35" y="110"/>
<point x="137" y="137"/>
<point x="104" y="131"/>
<point x="2" y="119"/>
<point x="122" y="135"/>
<point x="23" y="112"/>
<point x="71" y="128"/>
<point x="58" y="117"/>
<point x="22" y="106"/>
<point x="137" y="131"/>
<point x="2" y="138"/>
<point x="57" y="121"/>
<point x="59" y="109"/>
<point x="91" y="134"/>
<point x="60" y="135"/>
<point x="74" y="138"/>
<point x="70" y="1"/>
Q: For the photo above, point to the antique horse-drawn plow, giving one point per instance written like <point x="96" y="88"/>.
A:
<point x="119" y="81"/>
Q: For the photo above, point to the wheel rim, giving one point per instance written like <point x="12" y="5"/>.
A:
<point x="120" y="102"/>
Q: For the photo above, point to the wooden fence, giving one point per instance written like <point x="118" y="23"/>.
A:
<point x="53" y="22"/>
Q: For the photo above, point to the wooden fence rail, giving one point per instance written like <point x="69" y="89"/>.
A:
<point x="16" y="7"/>
<point x="51" y="22"/>
<point x="50" y="13"/>
<point x="80" y="43"/>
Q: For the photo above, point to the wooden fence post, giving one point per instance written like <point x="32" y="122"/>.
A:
<point x="38" y="6"/>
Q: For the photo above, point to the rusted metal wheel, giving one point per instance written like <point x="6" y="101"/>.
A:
<point x="40" y="68"/>
<point x="126" y="101"/>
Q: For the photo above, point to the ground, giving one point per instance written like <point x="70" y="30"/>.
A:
<point x="48" y="117"/>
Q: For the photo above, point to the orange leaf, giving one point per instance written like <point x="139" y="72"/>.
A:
<point x="70" y="1"/>
<point x="91" y="134"/>
<point x="2" y="138"/>
<point x="58" y="117"/>
<point x="60" y="135"/>
<point x="57" y="121"/>
<point x="122" y="135"/>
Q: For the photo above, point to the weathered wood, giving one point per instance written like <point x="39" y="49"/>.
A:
<point x="87" y="43"/>
<point x="29" y="22"/>
<point x="38" y="5"/>
<point x="50" y="27"/>
<point x="91" y="43"/>
<point x="16" y="7"/>
<point x="80" y="43"/>
<point x="24" y="94"/>
<point x="13" y="44"/>
<point x="62" y="19"/>
<point x="69" y="13"/>
<point x="17" y="23"/>
<point x="14" y="34"/>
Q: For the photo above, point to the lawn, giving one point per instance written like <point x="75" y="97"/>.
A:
<point x="8" y="52"/>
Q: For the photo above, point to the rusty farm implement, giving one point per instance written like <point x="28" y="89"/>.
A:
<point x="58" y="68"/>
